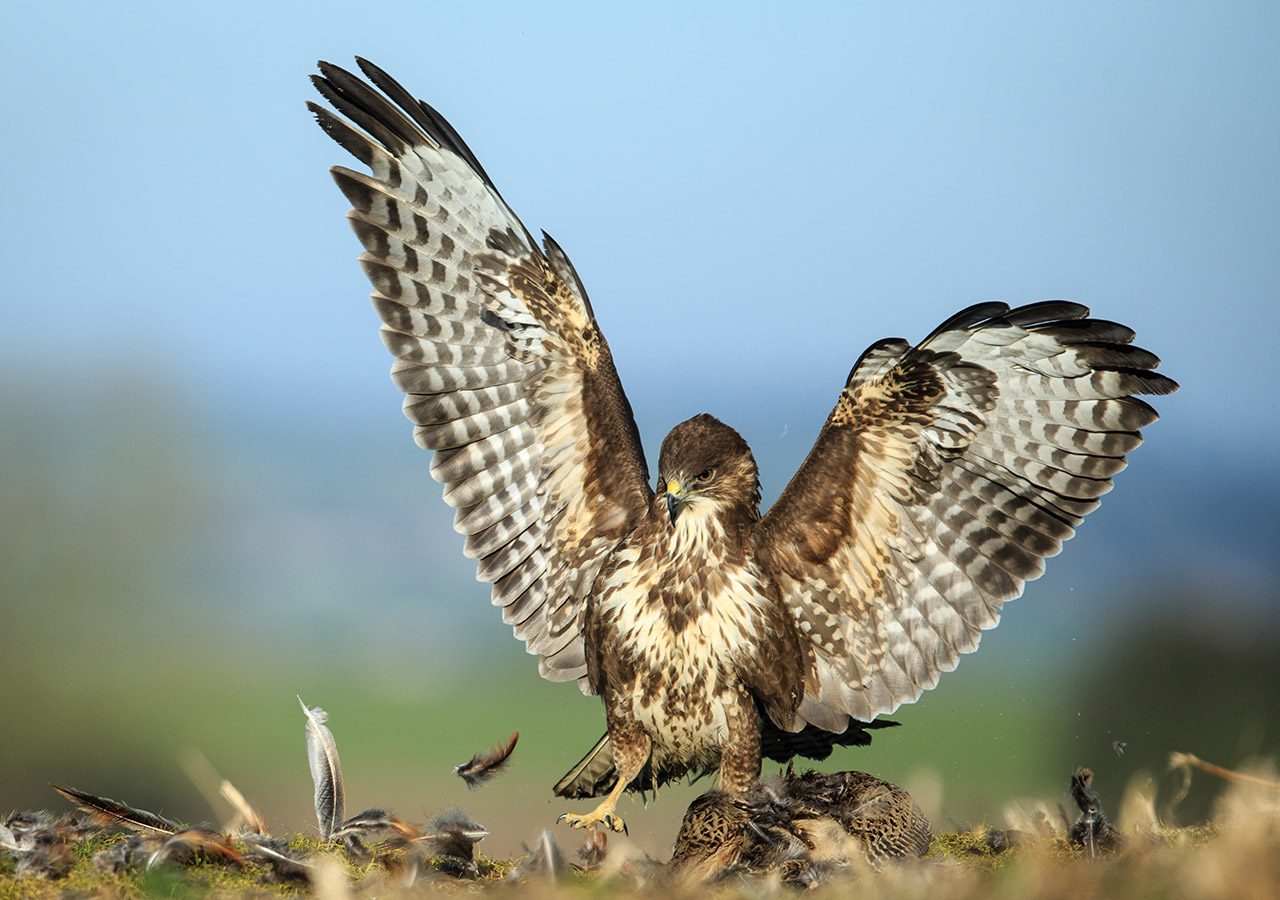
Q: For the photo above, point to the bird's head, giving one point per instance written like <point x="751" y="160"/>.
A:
<point x="706" y="468"/>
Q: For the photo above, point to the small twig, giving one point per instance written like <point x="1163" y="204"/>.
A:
<point x="1185" y="761"/>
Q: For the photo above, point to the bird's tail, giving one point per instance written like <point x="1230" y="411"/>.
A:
<point x="593" y="775"/>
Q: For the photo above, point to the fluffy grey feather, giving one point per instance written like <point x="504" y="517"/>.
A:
<point x="543" y="859"/>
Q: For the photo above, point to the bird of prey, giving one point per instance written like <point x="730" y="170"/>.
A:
<point x="946" y="473"/>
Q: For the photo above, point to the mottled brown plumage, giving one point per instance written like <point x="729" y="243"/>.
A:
<point x="945" y="475"/>
<point x="801" y="826"/>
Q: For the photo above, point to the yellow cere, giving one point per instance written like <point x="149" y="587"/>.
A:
<point x="673" y="487"/>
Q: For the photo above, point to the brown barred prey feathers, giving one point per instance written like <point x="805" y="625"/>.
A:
<point x="802" y="827"/>
<point x="947" y="472"/>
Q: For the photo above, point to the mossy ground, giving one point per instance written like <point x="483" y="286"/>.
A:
<point x="1168" y="863"/>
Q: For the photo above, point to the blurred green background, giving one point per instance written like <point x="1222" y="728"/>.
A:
<point x="135" y="636"/>
<point x="209" y="503"/>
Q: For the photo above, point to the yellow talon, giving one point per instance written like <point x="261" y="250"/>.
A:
<point x="598" y="816"/>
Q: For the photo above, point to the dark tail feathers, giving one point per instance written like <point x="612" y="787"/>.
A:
<point x="594" y="774"/>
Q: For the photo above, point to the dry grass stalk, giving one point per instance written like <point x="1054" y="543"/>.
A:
<point x="1185" y="761"/>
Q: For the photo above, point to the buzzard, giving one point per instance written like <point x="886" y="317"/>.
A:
<point x="945" y="475"/>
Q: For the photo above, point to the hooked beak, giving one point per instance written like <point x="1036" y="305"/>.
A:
<point x="675" y="499"/>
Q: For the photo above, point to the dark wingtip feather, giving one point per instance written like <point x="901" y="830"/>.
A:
<point x="1102" y="355"/>
<point x="1072" y="331"/>
<point x="1045" y="312"/>
<point x="355" y="100"/>
<point x="1144" y="381"/>
<point x="393" y="118"/>
<point x="899" y="345"/>
<point x="426" y="116"/>
<point x="342" y="133"/>
<point x="353" y="89"/>
<point x="969" y="317"/>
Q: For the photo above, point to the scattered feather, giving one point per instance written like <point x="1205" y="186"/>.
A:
<point x="594" y="850"/>
<point x="1090" y="830"/>
<point x="375" y="825"/>
<point x="543" y="859"/>
<point x="277" y="856"/>
<point x="113" y="812"/>
<point x="248" y="815"/>
<point x="23" y="830"/>
<point x="194" y="845"/>
<point x="358" y="854"/>
<point x="483" y="766"/>
<point x="373" y="822"/>
<point x="214" y="788"/>
<point x="49" y="857"/>
<point x="326" y="770"/>
<point x="453" y="838"/>
<point x="44" y="844"/>
<point x="132" y="853"/>
<point x="205" y="777"/>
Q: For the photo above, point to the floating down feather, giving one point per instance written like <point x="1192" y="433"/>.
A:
<point x="483" y="766"/>
<point x="326" y="770"/>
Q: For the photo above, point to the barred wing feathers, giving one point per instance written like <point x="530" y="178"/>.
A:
<point x="941" y="481"/>
<point x="507" y="377"/>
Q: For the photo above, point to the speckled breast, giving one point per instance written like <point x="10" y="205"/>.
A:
<point x="687" y="628"/>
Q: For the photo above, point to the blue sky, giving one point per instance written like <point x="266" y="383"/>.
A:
<point x="752" y="195"/>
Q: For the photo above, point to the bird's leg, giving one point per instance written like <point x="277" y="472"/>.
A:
<point x="631" y="747"/>
<point x="740" y="753"/>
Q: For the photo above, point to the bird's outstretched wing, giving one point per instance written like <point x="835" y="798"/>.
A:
<point x="941" y="481"/>
<point x="508" y="378"/>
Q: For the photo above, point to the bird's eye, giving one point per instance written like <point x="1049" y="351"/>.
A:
<point x="705" y="475"/>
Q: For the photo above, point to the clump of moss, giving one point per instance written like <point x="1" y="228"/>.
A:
<point x="983" y="848"/>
